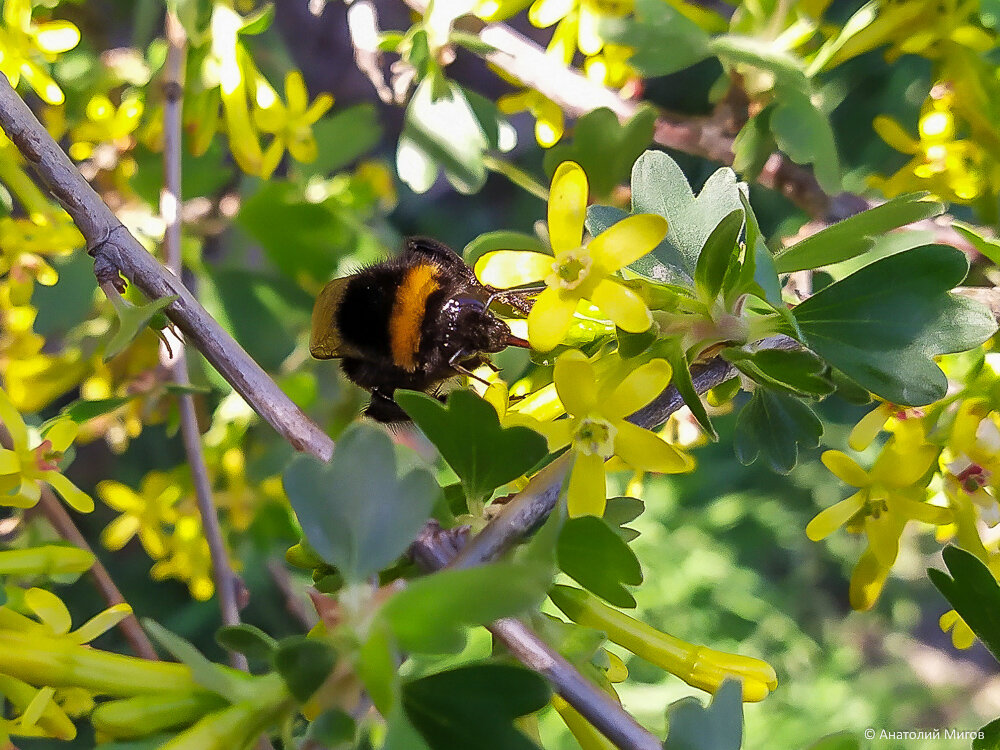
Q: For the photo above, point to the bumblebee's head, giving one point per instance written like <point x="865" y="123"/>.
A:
<point x="475" y="329"/>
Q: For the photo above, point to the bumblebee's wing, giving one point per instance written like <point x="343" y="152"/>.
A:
<point x="324" y="339"/>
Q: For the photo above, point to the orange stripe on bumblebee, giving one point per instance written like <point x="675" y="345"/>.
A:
<point x="408" y="310"/>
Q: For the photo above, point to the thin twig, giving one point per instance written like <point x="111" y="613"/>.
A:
<point x="434" y="549"/>
<point x="53" y="510"/>
<point x="170" y="203"/>
<point x="116" y="250"/>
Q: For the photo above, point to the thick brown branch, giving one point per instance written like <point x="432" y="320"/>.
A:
<point x="115" y="248"/>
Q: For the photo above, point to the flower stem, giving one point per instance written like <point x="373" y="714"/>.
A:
<point x="516" y="175"/>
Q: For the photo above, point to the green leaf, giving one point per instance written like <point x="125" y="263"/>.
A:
<point x="475" y="706"/>
<point x="775" y="425"/>
<point x="332" y="728"/>
<point x="356" y="512"/>
<point x="660" y="187"/>
<point x="991" y="737"/>
<point x="681" y="380"/>
<point x="604" y="147"/>
<point x="441" y="133"/>
<point x="665" y="41"/>
<point x="717" y="255"/>
<point x="468" y="434"/>
<point x="798" y="372"/>
<point x="883" y="325"/>
<point x="376" y="666"/>
<point x="342" y="137"/>
<point x="719" y="726"/>
<point x="595" y="556"/>
<point x="763" y="55"/>
<point x="989" y="248"/>
<point x="432" y="613"/>
<point x="81" y="410"/>
<point x="259" y="21"/>
<point x="304" y="664"/>
<point x="973" y="592"/>
<point x="248" y="640"/>
<point x="500" y="240"/>
<point x="803" y="131"/>
<point x="133" y="320"/>
<point x="622" y="510"/>
<point x="754" y="144"/>
<point x="855" y="235"/>
<point x="207" y="674"/>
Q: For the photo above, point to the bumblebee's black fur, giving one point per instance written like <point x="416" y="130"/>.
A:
<point x="455" y="328"/>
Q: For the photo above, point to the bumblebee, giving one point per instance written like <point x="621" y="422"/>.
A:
<point x="409" y="322"/>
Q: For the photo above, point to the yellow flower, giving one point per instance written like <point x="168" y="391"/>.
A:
<point x="145" y="513"/>
<point x="549" y="121"/>
<point x="596" y="428"/>
<point x="24" y="469"/>
<point x="106" y="123"/>
<point x="974" y="449"/>
<point x="291" y="124"/>
<point x="54" y="618"/>
<point x="188" y="558"/>
<point x="23" y="43"/>
<point x="25" y="242"/>
<point x="888" y="496"/>
<point x="578" y="271"/>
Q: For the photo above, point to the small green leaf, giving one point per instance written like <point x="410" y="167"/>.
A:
<point x="719" y="726"/>
<point x="604" y="147"/>
<point x="973" y="592"/>
<point x="441" y="133"/>
<point x="356" y="512"/>
<point x="622" y="510"/>
<point x="259" y="21"/>
<point x="468" y="434"/>
<point x="762" y="54"/>
<point x="660" y="187"/>
<point x="207" y="674"/>
<point x="804" y="132"/>
<point x="798" y="372"/>
<point x="332" y="728"/>
<point x="432" y="613"/>
<point x="133" y="320"/>
<point x="475" y="706"/>
<point x="775" y="425"/>
<point x="855" y="235"/>
<point x="593" y="555"/>
<point x="665" y="41"/>
<point x="376" y="666"/>
<point x="81" y="410"/>
<point x="304" y="664"/>
<point x="717" y="255"/>
<point x="989" y="248"/>
<point x="754" y="145"/>
<point x="883" y="325"/>
<point x="991" y="737"/>
<point x="248" y="640"/>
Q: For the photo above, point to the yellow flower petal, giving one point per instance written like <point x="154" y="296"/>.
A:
<point x="507" y="268"/>
<point x="576" y="383"/>
<point x="544" y="13"/>
<point x="295" y="91"/>
<point x="119" y="497"/>
<point x="627" y="241"/>
<point x="9" y="462"/>
<point x="898" y="468"/>
<point x="557" y="434"/>
<point x="883" y="537"/>
<point x="55" y="37"/>
<point x="567" y="207"/>
<point x="11" y="419"/>
<point x="894" y="135"/>
<point x="638" y="388"/>
<point x="549" y="319"/>
<point x="587" y="494"/>
<point x="49" y="609"/>
<point x="829" y="520"/>
<point x="647" y="451"/>
<point x="871" y="424"/>
<point x="622" y="305"/>
<point x="845" y="468"/>
<point x="119" y="532"/>
<point x="918" y="511"/>
<point x="74" y="496"/>
<point x="101" y="623"/>
<point x="62" y="434"/>
<point x="867" y="582"/>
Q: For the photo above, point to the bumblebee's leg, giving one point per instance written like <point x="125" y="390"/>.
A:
<point x="458" y="367"/>
<point x="439" y="254"/>
<point x="383" y="409"/>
